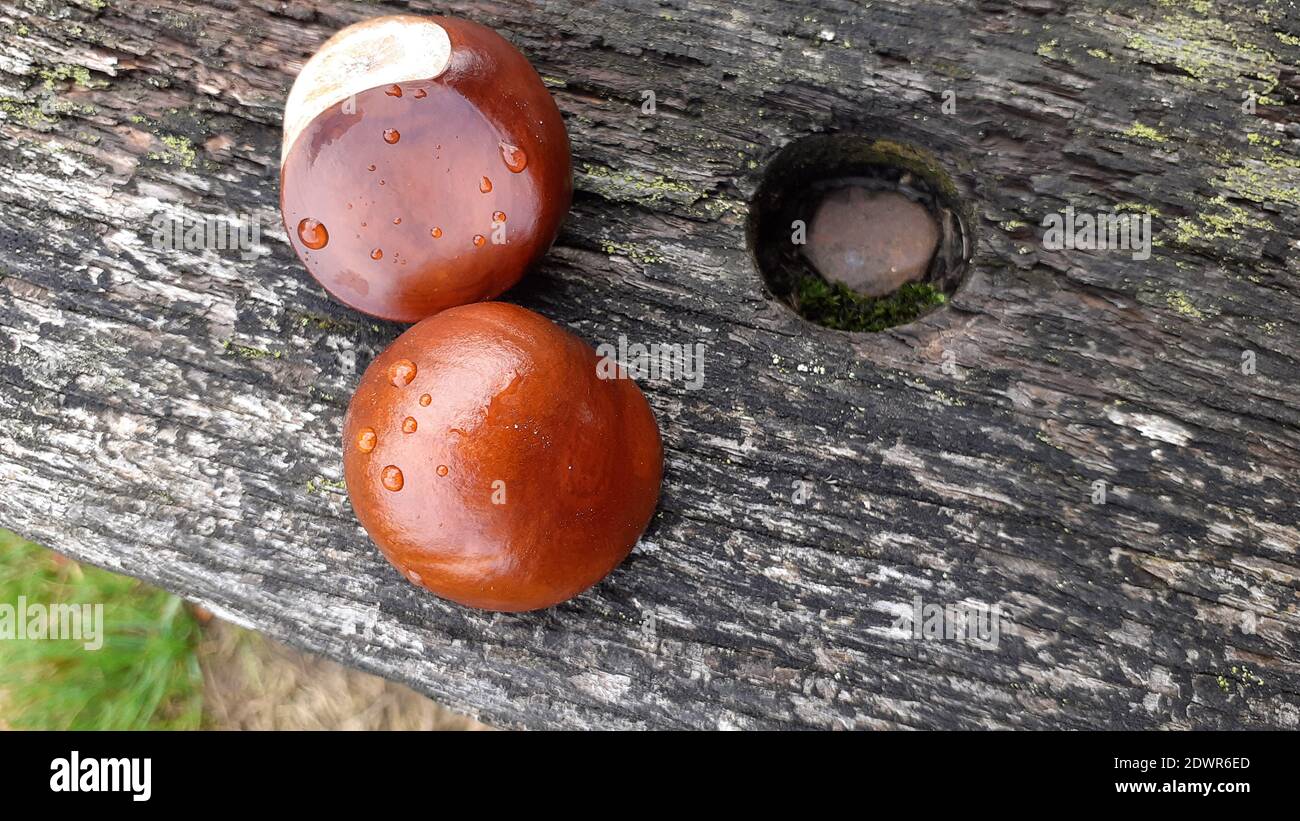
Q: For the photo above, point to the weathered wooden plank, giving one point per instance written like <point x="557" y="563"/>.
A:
<point x="174" y="414"/>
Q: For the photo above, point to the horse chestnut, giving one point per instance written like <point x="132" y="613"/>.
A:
<point x="424" y="165"/>
<point x="491" y="463"/>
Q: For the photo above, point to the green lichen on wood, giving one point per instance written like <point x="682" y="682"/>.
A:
<point x="629" y="250"/>
<point x="320" y="483"/>
<point x="1223" y="221"/>
<point x="636" y="187"/>
<point x="1138" y="208"/>
<point x="1242" y="678"/>
<point x="248" y="352"/>
<point x="834" y="305"/>
<point x="922" y="163"/>
<point x="947" y="69"/>
<point x="1205" y="47"/>
<point x="27" y="115"/>
<point x="1140" y="131"/>
<point x="1180" y="303"/>
<point x="1268" y="178"/>
<point x="1255" y="138"/>
<point x="79" y="75"/>
<point x="309" y="320"/>
<point x="1198" y="6"/>
<point x="177" y="151"/>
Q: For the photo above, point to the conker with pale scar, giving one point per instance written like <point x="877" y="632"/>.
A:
<point x="424" y="166"/>
<point x="491" y="463"/>
<point x="873" y="242"/>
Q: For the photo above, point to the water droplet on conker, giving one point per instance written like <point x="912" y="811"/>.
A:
<point x="366" y="440"/>
<point x="392" y="478"/>
<point x="401" y="373"/>
<point x="313" y="234"/>
<point x="515" y="158"/>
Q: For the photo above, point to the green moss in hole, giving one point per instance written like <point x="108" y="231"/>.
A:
<point x="834" y="305"/>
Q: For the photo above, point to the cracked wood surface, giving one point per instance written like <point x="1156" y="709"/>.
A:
<point x="175" y="414"/>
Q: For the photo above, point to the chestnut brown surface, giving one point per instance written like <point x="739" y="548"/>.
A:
<point x="872" y="242"/>
<point x="492" y="466"/>
<point x="410" y="197"/>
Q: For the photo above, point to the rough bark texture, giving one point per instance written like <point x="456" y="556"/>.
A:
<point x="175" y="414"/>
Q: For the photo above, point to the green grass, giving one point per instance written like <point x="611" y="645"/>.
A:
<point x="834" y="305"/>
<point x="145" y="676"/>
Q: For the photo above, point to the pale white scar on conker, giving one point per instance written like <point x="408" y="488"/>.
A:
<point x="363" y="56"/>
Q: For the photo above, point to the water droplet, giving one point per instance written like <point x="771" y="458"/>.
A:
<point x="401" y="372"/>
<point x="366" y="440"/>
<point x="313" y="234"/>
<point x="378" y="253"/>
<point x="436" y="233"/>
<point x="392" y="478"/>
<point x="442" y="470"/>
<point x="515" y="158"/>
<point x="392" y="135"/>
<point x="397" y="220"/>
<point x="409" y="424"/>
<point x="485" y="185"/>
<point x="394" y="91"/>
<point x="499" y="216"/>
<point x="420" y="94"/>
<point x="383" y="182"/>
<point x="425" y="400"/>
<point x="371" y="167"/>
<point x="479" y="241"/>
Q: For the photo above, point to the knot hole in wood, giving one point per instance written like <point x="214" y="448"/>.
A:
<point x="858" y="233"/>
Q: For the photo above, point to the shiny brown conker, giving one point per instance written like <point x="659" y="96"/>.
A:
<point x="424" y="166"/>
<point x="494" y="462"/>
